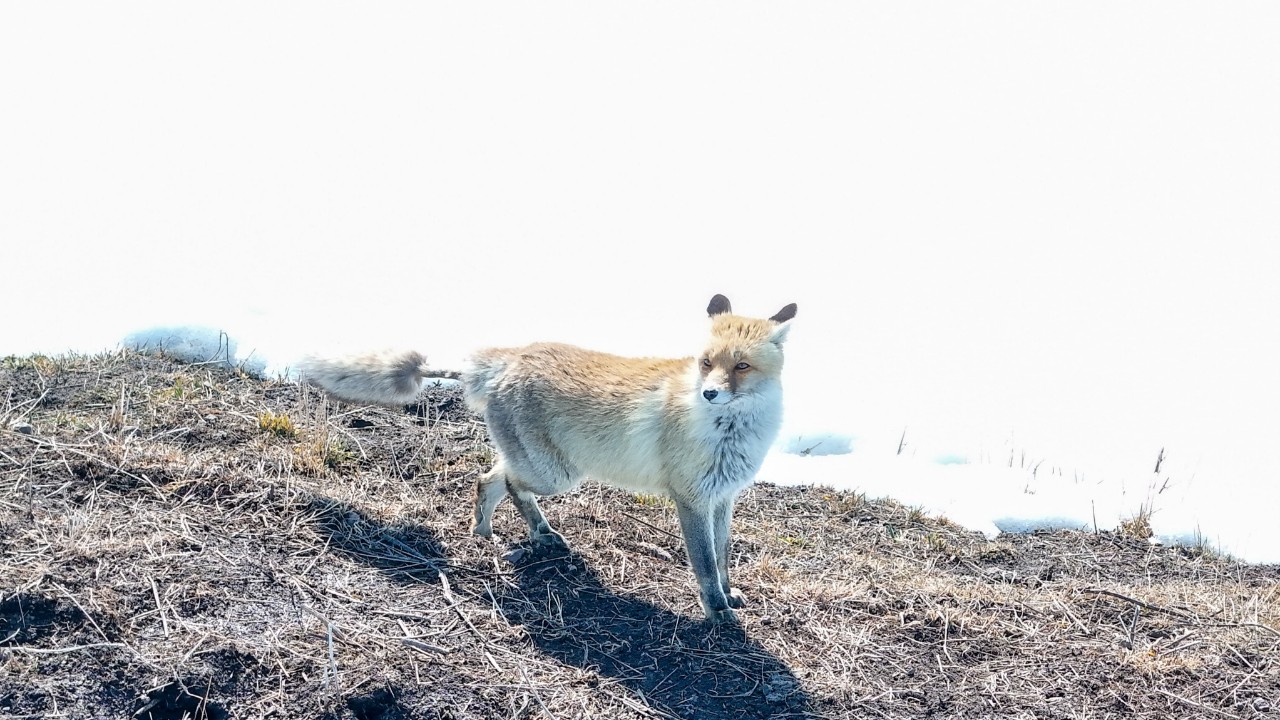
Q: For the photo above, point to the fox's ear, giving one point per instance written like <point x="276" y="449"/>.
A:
<point x="784" y="314"/>
<point x="719" y="305"/>
<point x="779" y="334"/>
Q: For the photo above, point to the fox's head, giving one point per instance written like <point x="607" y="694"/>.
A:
<point x="744" y="355"/>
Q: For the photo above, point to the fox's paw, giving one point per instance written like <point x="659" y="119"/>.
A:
<point x="551" y="539"/>
<point x="722" y="617"/>
<point x="736" y="598"/>
<point x="482" y="529"/>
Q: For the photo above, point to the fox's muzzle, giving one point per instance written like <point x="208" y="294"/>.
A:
<point x="717" y="397"/>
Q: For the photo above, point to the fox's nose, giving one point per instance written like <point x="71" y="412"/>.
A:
<point x="710" y="394"/>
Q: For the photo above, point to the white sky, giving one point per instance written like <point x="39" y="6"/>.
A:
<point x="1039" y="228"/>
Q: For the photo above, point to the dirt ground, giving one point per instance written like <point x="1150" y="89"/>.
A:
<point x="186" y="541"/>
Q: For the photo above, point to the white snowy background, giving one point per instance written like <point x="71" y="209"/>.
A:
<point x="1032" y="244"/>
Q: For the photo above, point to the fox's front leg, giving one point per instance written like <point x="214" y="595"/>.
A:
<point x="721" y="517"/>
<point x="697" y="522"/>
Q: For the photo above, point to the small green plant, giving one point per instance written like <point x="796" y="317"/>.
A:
<point x="1202" y="546"/>
<point x="997" y="552"/>
<point x="63" y="420"/>
<point x="652" y="500"/>
<point x="183" y="388"/>
<point x="42" y="364"/>
<point x="796" y="541"/>
<point x="335" y="454"/>
<point x="485" y="454"/>
<point x="845" y="503"/>
<point x="318" y="456"/>
<point x="279" y="425"/>
<point x="936" y="542"/>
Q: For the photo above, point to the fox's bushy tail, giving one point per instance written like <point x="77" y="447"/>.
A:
<point x="387" y="378"/>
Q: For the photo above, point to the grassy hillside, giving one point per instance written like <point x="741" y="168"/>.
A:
<point x="183" y="541"/>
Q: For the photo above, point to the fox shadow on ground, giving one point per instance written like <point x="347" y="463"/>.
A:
<point x="406" y="553"/>
<point x="680" y="665"/>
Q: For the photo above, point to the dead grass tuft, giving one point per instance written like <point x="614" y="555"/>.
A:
<point x="1138" y="527"/>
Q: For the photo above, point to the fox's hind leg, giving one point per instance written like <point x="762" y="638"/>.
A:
<point x="526" y="502"/>
<point x="497" y="484"/>
<point x="490" y="489"/>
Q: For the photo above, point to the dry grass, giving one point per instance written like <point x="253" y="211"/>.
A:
<point x="167" y="553"/>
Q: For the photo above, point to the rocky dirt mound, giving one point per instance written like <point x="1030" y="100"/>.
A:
<point x="185" y="541"/>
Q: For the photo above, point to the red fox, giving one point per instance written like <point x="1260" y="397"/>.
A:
<point x="693" y="429"/>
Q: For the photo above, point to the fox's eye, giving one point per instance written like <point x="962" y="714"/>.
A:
<point x="706" y="363"/>
<point x="741" y="366"/>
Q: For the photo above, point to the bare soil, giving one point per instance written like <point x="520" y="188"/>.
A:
<point x="186" y="541"/>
